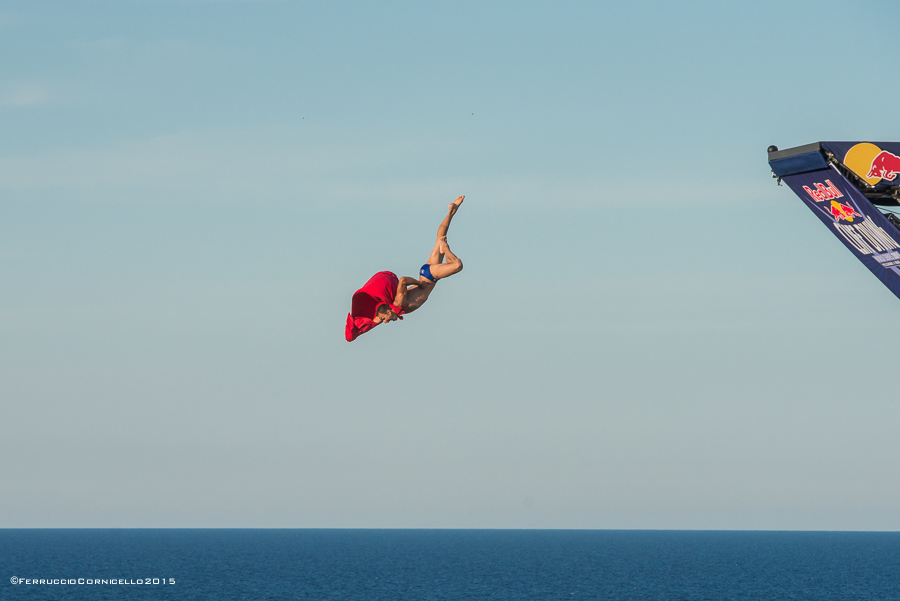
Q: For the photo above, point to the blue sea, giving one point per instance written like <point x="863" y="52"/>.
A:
<point x="370" y="565"/>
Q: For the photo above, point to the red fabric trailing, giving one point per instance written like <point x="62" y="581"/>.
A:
<point x="379" y="290"/>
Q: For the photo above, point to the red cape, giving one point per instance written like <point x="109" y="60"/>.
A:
<point x="380" y="289"/>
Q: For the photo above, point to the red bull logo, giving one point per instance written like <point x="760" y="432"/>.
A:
<point x="823" y="191"/>
<point x="843" y="212"/>
<point x="885" y="165"/>
<point x="871" y="163"/>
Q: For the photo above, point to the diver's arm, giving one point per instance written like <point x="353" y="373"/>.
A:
<point x="400" y="298"/>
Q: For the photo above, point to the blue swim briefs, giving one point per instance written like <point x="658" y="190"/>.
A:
<point x="426" y="272"/>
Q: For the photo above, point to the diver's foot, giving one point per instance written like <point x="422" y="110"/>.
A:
<point x="454" y="206"/>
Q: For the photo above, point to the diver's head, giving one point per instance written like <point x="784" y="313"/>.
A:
<point x="384" y="313"/>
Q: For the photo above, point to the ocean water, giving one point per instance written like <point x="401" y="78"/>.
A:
<point x="371" y="565"/>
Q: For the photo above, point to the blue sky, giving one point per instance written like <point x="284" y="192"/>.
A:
<point x="648" y="333"/>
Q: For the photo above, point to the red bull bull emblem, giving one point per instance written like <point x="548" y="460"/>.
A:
<point x="871" y="163"/>
<point x="843" y="212"/>
<point x="885" y="165"/>
<point x="823" y="191"/>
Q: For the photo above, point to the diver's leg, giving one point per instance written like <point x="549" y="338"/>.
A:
<point x="417" y="296"/>
<point x="436" y="259"/>
<point x="437" y="256"/>
<point x="453" y="264"/>
<point x="445" y="224"/>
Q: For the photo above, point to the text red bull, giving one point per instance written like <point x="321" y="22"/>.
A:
<point x="823" y="191"/>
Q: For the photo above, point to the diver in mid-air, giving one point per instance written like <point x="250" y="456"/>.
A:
<point x="385" y="297"/>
